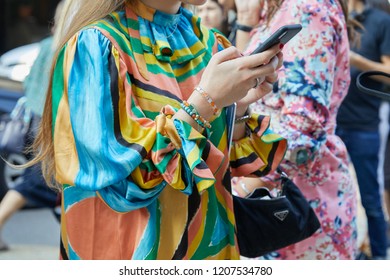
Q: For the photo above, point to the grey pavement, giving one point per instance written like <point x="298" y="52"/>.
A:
<point x="32" y="234"/>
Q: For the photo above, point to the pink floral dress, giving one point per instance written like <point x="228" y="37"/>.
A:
<point x="303" y="107"/>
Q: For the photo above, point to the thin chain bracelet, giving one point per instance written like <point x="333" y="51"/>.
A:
<point x="208" y="98"/>
<point x="244" y="188"/>
<point x="242" y="119"/>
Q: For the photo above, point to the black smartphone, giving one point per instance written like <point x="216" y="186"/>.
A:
<point x="280" y="36"/>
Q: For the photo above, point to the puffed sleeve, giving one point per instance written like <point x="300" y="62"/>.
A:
<point x="260" y="152"/>
<point x="103" y="145"/>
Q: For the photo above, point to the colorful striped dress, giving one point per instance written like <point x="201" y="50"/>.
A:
<point x="136" y="183"/>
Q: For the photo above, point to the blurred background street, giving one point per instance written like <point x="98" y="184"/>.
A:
<point x="32" y="234"/>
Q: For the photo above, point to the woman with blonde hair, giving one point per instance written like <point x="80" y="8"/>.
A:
<point x="135" y="132"/>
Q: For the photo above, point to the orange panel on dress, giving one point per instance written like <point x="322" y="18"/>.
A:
<point x="95" y="231"/>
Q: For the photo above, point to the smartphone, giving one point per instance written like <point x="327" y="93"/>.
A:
<point x="280" y="36"/>
<point x="230" y="117"/>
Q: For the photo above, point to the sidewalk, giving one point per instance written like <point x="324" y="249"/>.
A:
<point x="32" y="234"/>
<point x="43" y="252"/>
<point x="30" y="252"/>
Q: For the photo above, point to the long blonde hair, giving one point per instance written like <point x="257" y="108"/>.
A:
<point x="75" y="15"/>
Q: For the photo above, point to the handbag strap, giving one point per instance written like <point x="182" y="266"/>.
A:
<point x="282" y="173"/>
<point x="362" y="78"/>
<point x="283" y="180"/>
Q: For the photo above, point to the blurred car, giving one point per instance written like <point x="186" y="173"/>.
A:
<point x="15" y="65"/>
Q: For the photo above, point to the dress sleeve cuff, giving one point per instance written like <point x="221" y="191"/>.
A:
<point x="259" y="153"/>
<point x="179" y="154"/>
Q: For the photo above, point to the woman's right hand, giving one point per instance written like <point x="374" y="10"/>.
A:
<point x="229" y="75"/>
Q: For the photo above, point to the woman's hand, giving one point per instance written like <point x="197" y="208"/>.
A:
<point x="229" y="75"/>
<point x="265" y="87"/>
<point x="246" y="185"/>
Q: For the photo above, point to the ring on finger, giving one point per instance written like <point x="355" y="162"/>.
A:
<point x="257" y="83"/>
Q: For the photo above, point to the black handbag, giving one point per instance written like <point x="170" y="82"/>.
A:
<point x="361" y="83"/>
<point x="17" y="131"/>
<point x="266" y="223"/>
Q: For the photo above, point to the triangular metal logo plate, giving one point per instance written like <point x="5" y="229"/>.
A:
<point x="281" y="215"/>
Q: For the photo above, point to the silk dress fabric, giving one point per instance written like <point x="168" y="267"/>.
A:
<point x="136" y="183"/>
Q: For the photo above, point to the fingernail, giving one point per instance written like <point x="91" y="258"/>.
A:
<point x="281" y="46"/>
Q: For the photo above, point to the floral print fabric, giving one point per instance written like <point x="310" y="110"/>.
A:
<point x="303" y="107"/>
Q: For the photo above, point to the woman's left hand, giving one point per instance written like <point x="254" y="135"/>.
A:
<point x="265" y="86"/>
<point x="246" y="185"/>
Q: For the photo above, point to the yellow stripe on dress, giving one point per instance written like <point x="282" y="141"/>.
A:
<point x="67" y="165"/>
<point x="200" y="230"/>
<point x="173" y="223"/>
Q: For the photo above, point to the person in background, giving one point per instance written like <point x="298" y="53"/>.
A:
<point x="3" y="31"/>
<point x="26" y="29"/>
<point x="386" y="172"/>
<point x="229" y="8"/>
<point x="135" y="132"/>
<point x="227" y="23"/>
<point x="33" y="190"/>
<point x="312" y="83"/>
<point x="213" y="16"/>
<point x="358" y="118"/>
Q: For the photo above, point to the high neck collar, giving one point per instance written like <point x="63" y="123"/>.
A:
<point x="171" y="38"/>
<point x="155" y="16"/>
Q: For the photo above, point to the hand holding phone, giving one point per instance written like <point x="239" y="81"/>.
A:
<point x="280" y="36"/>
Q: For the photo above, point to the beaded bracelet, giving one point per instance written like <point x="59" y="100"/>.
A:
<point x="190" y="110"/>
<point x="208" y="98"/>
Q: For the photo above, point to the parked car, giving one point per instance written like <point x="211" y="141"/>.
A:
<point x="15" y="65"/>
